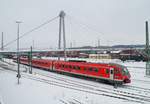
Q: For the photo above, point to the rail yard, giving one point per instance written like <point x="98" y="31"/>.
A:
<point x="135" y="92"/>
<point x="74" y="52"/>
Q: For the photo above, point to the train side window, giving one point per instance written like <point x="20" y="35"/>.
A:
<point x="75" y="67"/>
<point x="95" y="69"/>
<point x="70" y="66"/>
<point x="63" y="66"/>
<point x="90" y="69"/>
<point x="78" y="67"/>
<point x="85" y="69"/>
<point x="59" y="65"/>
<point x="107" y="71"/>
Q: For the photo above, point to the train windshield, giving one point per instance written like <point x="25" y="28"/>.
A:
<point x="125" y="71"/>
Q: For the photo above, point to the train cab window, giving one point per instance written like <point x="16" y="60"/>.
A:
<point x="125" y="71"/>
<point x="117" y="71"/>
<point x="107" y="71"/>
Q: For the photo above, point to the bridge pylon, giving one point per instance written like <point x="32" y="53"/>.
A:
<point x="62" y="30"/>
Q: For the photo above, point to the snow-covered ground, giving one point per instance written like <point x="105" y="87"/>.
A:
<point x="43" y="87"/>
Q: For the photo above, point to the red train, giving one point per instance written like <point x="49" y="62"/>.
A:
<point x="110" y="72"/>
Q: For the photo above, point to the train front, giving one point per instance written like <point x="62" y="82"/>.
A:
<point x="126" y="75"/>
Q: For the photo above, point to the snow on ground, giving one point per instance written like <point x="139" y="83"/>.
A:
<point x="35" y="92"/>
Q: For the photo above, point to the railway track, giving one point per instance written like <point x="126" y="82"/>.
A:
<point x="71" y="101"/>
<point x="143" y="81"/>
<point x="73" y="88"/>
<point x="136" y="67"/>
<point x="87" y="88"/>
<point x="135" y="88"/>
<point x="139" y="89"/>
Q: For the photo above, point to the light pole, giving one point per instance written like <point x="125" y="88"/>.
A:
<point x="18" y="55"/>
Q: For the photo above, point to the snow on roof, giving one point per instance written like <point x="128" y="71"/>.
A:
<point x="116" y="51"/>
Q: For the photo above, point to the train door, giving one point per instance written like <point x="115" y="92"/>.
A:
<point x="111" y="73"/>
<point x="52" y="67"/>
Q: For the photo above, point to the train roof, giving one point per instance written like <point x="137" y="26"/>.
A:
<point x="118" y="65"/>
<point x="78" y="62"/>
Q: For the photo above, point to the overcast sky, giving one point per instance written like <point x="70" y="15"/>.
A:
<point x="112" y="21"/>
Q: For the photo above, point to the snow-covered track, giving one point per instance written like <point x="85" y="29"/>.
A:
<point x="136" y="88"/>
<point x="138" y="67"/>
<point x="91" y="85"/>
<point x="143" y="81"/>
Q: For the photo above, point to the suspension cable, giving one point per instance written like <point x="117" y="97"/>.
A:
<point x="84" y="25"/>
<point x="28" y="32"/>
